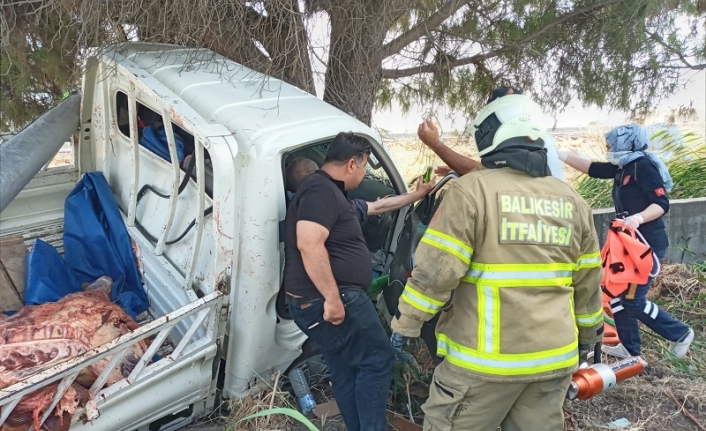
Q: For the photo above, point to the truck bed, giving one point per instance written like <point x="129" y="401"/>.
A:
<point x="183" y="345"/>
<point x="13" y="251"/>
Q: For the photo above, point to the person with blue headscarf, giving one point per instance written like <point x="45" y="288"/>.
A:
<point x="641" y="182"/>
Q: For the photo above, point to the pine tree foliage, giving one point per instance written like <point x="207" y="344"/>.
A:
<point x="623" y="54"/>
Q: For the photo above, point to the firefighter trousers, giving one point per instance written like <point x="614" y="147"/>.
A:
<point x="458" y="402"/>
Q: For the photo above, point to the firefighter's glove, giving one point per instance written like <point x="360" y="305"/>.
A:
<point x="398" y="341"/>
<point x="633" y="222"/>
<point x="584" y="351"/>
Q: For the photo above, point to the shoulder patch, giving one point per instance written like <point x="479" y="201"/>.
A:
<point x="626" y="179"/>
<point x="660" y="191"/>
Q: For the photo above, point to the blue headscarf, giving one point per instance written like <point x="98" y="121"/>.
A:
<point x="632" y="141"/>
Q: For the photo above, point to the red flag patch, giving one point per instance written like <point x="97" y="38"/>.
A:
<point x="626" y="180"/>
<point x="660" y="191"/>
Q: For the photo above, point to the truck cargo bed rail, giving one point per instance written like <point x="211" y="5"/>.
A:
<point x="202" y="317"/>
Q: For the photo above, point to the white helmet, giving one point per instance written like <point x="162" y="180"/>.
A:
<point x="511" y="120"/>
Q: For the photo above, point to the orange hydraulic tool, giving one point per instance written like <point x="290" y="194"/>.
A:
<point x="598" y="378"/>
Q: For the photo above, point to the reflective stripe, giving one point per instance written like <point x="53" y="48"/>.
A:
<point x="507" y="364"/>
<point x="590" y="260"/>
<point x="655" y="311"/>
<point x="618" y="308"/>
<point x="648" y="307"/>
<point x="421" y="301"/>
<point x="495" y="294"/>
<point x="489" y="319"/>
<point x="449" y="244"/>
<point x="589" y="319"/>
<point x="520" y="275"/>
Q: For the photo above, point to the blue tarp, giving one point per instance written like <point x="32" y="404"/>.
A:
<point x="96" y="243"/>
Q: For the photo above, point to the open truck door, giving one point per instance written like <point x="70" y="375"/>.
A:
<point x="415" y="224"/>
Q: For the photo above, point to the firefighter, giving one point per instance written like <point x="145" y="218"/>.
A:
<point x="519" y="249"/>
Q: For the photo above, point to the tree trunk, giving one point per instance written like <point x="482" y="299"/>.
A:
<point x="355" y="59"/>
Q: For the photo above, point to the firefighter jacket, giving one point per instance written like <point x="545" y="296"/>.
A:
<point x="521" y="255"/>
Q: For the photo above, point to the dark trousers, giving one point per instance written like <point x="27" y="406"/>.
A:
<point x="358" y="354"/>
<point x="633" y="305"/>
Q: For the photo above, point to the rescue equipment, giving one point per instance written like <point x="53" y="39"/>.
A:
<point x="598" y="378"/>
<point x="627" y="259"/>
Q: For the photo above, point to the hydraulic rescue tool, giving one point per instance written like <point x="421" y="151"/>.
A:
<point x="590" y="381"/>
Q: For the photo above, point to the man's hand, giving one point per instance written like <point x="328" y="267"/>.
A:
<point x="429" y="134"/>
<point x="423" y="188"/>
<point x="334" y="311"/>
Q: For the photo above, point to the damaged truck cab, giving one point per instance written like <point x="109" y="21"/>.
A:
<point x="204" y="214"/>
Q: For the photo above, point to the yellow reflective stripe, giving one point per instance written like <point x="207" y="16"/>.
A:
<point x="421" y="301"/>
<point x="590" y="260"/>
<point x="495" y="292"/>
<point x="519" y="267"/>
<point x="507" y="364"/>
<point x="520" y="275"/>
<point x="481" y="320"/>
<point x="449" y="244"/>
<point x="489" y="319"/>
<point x="592" y="319"/>
<point x="573" y="314"/>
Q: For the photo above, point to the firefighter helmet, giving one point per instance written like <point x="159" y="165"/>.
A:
<point x="510" y="120"/>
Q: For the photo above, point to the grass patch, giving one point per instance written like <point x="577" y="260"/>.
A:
<point x="671" y="394"/>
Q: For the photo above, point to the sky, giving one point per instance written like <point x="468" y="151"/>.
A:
<point x="575" y="115"/>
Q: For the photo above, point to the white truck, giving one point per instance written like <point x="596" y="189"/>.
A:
<point x="211" y="252"/>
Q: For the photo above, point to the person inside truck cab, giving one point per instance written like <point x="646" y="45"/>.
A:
<point x="300" y="169"/>
<point x="326" y="275"/>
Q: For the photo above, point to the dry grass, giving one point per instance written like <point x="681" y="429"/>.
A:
<point x="262" y="397"/>
<point x="671" y="394"/>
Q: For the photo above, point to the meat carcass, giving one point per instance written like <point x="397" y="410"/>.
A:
<point x="41" y="336"/>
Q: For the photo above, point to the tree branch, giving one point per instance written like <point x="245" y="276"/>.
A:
<point x="479" y="58"/>
<point x="397" y="44"/>
<point x="657" y="38"/>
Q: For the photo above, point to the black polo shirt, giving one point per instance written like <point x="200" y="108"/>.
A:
<point x="321" y="199"/>
<point x="635" y="187"/>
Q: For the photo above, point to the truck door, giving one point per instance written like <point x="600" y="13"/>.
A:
<point x="413" y="228"/>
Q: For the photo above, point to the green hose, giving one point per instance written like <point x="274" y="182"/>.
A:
<point x="608" y="320"/>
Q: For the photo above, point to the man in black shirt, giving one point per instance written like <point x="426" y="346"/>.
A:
<point x="327" y="272"/>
